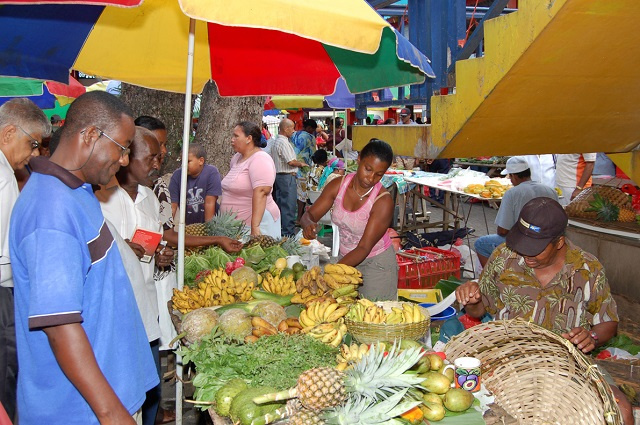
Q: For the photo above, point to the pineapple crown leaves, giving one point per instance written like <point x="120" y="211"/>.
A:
<point x="369" y="412"/>
<point x="226" y="223"/>
<point x="376" y="376"/>
<point x="607" y="210"/>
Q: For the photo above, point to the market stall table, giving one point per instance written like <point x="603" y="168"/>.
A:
<point x="452" y="186"/>
<point x="494" y="168"/>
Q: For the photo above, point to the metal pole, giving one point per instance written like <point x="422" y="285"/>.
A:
<point x="334" y="132"/>
<point x="186" y="133"/>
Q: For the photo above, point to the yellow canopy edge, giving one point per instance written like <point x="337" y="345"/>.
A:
<point x="355" y="18"/>
<point x="146" y="46"/>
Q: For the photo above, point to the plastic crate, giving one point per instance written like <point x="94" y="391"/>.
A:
<point x="425" y="271"/>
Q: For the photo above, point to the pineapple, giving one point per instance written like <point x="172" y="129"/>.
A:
<point x="291" y="245"/>
<point x="370" y="412"/>
<point x="626" y="215"/>
<point x="264" y="241"/>
<point x="582" y="207"/>
<point x="225" y="223"/>
<point x="604" y="208"/>
<point x="196" y="229"/>
<point x="305" y="417"/>
<point x="373" y="378"/>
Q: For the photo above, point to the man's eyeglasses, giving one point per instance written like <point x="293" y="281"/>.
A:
<point x="34" y="143"/>
<point x="125" y="151"/>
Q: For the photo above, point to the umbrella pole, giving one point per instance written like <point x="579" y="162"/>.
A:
<point x="334" y="132"/>
<point x="186" y="133"/>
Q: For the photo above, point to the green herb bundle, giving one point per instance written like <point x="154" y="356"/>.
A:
<point x="275" y="361"/>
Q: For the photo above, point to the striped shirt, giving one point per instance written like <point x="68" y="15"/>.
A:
<point x="282" y="153"/>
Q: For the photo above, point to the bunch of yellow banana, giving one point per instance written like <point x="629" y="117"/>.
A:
<point x="319" y="312"/>
<point x="366" y="311"/>
<point x="190" y="299"/>
<point x="409" y="313"/>
<point x="329" y="333"/>
<point x="279" y="285"/>
<point x="310" y="286"/>
<point x="217" y="288"/>
<point x="352" y="353"/>
<point x="339" y="275"/>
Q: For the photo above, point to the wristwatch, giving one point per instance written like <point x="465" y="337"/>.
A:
<point x="594" y="336"/>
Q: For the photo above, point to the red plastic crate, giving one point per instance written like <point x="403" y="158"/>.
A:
<point x="424" y="272"/>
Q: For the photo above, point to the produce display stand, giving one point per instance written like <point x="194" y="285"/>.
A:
<point x="451" y="218"/>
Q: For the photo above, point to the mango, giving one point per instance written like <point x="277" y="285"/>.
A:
<point x="435" y="382"/>
<point x="432" y="411"/>
<point x="436" y="361"/>
<point x="458" y="400"/>
<point x="422" y="366"/>
<point x="432" y="398"/>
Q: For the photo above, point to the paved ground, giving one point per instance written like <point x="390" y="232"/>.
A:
<point x="478" y="216"/>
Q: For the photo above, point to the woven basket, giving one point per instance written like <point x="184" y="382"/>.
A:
<point x="368" y="333"/>
<point x="538" y="377"/>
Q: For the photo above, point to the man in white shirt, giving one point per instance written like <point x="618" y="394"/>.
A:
<point x="543" y="169"/>
<point x="573" y="174"/>
<point x="22" y="127"/>
<point x="128" y="202"/>
<point x="285" y="187"/>
<point x="524" y="190"/>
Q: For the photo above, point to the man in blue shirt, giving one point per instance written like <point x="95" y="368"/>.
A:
<point x="524" y="190"/>
<point x="82" y="348"/>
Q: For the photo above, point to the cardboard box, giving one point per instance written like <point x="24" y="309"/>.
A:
<point x="433" y="296"/>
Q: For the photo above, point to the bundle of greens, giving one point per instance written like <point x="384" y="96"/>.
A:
<point x="217" y="257"/>
<point x="276" y="361"/>
<point x="194" y="264"/>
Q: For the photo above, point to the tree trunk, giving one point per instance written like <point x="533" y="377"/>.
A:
<point x="218" y="116"/>
<point x="168" y="108"/>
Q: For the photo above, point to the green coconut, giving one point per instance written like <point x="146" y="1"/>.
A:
<point x="245" y="274"/>
<point x="197" y="324"/>
<point x="235" y="323"/>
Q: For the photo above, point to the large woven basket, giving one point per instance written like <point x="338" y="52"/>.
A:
<point x="538" y="377"/>
<point x="368" y="333"/>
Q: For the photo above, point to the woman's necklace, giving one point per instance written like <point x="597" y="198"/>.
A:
<point x="361" y="196"/>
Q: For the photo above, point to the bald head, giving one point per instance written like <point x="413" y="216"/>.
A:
<point x="144" y="160"/>
<point x="286" y="127"/>
<point x="285" y="123"/>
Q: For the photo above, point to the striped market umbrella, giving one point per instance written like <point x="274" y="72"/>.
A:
<point x="42" y="93"/>
<point x="266" y="47"/>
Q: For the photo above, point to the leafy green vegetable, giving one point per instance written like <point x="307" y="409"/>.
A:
<point x="217" y="257"/>
<point x="275" y="361"/>
<point x="253" y="254"/>
<point x="622" y="342"/>
<point x="271" y="255"/>
<point x="194" y="264"/>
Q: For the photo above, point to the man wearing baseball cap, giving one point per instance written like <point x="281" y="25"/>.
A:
<point x="513" y="200"/>
<point x="405" y="117"/>
<point x="541" y="276"/>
